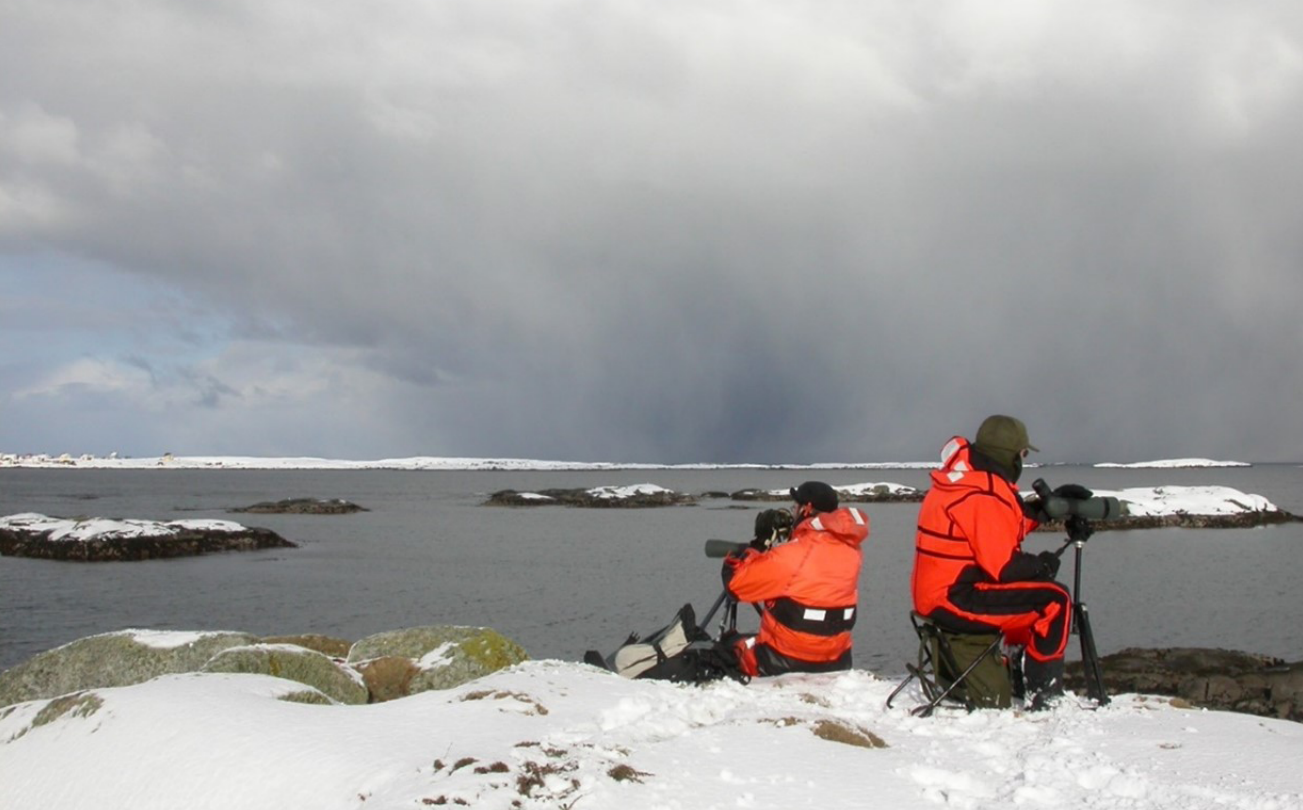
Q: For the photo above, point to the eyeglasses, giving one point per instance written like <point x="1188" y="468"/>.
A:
<point x="1024" y="452"/>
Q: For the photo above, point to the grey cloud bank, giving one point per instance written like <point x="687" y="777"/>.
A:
<point x="700" y="232"/>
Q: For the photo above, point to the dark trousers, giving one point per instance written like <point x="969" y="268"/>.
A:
<point x="1033" y="615"/>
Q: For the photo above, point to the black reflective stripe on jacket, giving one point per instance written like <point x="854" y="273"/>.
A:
<point x="932" y="542"/>
<point x="771" y="662"/>
<point x="815" y="621"/>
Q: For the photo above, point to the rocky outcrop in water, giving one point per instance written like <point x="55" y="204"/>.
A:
<point x="858" y="493"/>
<point x="385" y="666"/>
<point x="1208" y="678"/>
<point x="600" y="498"/>
<point x="181" y="543"/>
<point x="301" y="506"/>
<point x="1241" y="520"/>
<point x="649" y="495"/>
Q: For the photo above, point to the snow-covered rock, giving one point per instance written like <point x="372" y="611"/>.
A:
<point x="404" y="662"/>
<point x="113" y="659"/>
<point x="333" y="679"/>
<point x="114" y="539"/>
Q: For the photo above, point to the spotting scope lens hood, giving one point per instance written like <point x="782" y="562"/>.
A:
<point x="1096" y="508"/>
<point x="723" y="548"/>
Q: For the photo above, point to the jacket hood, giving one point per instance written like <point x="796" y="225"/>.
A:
<point x="957" y="465"/>
<point x="955" y="462"/>
<point x="848" y="525"/>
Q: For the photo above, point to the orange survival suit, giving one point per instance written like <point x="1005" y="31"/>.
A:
<point x="970" y="573"/>
<point x="807" y="588"/>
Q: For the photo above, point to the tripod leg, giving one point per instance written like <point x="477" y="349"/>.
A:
<point x="1090" y="666"/>
<point x="710" y="614"/>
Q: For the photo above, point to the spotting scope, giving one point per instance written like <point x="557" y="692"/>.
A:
<point x="1093" y="508"/>
<point x="723" y="548"/>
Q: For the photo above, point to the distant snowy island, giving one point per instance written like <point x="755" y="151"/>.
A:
<point x="1174" y="463"/>
<point x="168" y="461"/>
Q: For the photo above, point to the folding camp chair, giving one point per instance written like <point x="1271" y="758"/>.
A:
<point x="937" y="669"/>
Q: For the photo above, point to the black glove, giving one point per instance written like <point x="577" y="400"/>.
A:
<point x="772" y="526"/>
<point x="1074" y="491"/>
<point x="1050" y="561"/>
<point x="1033" y="509"/>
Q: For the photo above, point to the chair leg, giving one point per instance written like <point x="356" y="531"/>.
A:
<point x="913" y="673"/>
<point x="927" y="709"/>
<point x="933" y="663"/>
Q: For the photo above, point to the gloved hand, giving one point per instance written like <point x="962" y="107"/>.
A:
<point x="1033" y="509"/>
<point x="1050" y="561"/>
<point x="772" y="526"/>
<point x="1074" y="491"/>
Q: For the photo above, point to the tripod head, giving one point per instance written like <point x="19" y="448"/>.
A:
<point x="1079" y="529"/>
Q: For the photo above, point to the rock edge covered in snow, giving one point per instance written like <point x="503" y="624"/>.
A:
<point x="375" y="669"/>
<point x="114" y="540"/>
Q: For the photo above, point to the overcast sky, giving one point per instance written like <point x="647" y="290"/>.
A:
<point x="672" y="231"/>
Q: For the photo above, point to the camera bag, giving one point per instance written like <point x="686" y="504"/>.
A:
<point x="680" y="651"/>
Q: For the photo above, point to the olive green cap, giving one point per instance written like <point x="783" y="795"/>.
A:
<point x="1002" y="435"/>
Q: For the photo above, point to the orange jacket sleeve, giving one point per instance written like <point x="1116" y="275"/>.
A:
<point x="759" y="577"/>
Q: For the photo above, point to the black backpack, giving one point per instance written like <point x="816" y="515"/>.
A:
<point x="680" y="652"/>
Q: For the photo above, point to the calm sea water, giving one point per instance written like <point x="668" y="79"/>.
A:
<point x="561" y="581"/>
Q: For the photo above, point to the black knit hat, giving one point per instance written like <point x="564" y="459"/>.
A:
<point x="820" y="496"/>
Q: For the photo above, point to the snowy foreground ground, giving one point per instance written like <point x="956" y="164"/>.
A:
<point x="550" y="734"/>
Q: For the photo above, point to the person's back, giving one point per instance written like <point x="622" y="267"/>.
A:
<point x="970" y="572"/>
<point x="808" y="589"/>
<point x="970" y="525"/>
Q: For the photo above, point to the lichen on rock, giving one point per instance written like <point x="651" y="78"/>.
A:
<point x="112" y="659"/>
<point x="309" y="667"/>
<point x="443" y="656"/>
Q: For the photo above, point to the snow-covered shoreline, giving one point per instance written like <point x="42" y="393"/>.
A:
<point x="550" y="734"/>
<point x="170" y="462"/>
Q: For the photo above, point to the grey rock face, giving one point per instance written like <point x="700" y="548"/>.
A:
<point x="1210" y="678"/>
<point x="442" y="656"/>
<point x="112" y="659"/>
<point x="338" y="682"/>
<point x="386" y="666"/>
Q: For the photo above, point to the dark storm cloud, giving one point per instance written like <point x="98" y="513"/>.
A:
<point x="688" y="232"/>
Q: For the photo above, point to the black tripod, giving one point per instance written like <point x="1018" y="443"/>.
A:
<point x="728" y="622"/>
<point x="1079" y="531"/>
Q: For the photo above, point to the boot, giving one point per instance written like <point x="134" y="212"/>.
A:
<point x="1043" y="681"/>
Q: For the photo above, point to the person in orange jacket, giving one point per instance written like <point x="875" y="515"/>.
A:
<point x="806" y="588"/>
<point x="970" y="572"/>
